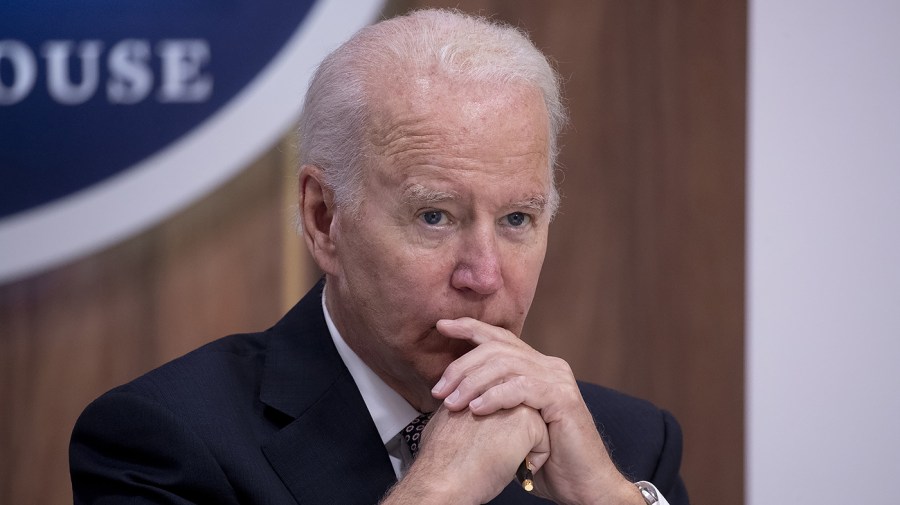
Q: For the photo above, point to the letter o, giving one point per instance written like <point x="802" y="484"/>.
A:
<point x="24" y="71"/>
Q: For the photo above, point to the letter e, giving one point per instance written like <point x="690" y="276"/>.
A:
<point x="182" y="62"/>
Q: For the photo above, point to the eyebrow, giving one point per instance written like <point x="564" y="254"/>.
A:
<point x="536" y="204"/>
<point x="417" y="194"/>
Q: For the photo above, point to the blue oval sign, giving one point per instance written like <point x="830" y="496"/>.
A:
<point x="162" y="98"/>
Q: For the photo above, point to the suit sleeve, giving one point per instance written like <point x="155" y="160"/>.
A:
<point x="667" y="476"/>
<point x="127" y="448"/>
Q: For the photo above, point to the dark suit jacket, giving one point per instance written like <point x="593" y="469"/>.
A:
<point x="275" y="418"/>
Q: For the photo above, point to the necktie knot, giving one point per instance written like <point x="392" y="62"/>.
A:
<point x="412" y="434"/>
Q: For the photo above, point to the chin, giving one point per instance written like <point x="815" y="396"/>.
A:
<point x="436" y="362"/>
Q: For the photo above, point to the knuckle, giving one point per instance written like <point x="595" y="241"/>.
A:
<point x="466" y="385"/>
<point x="473" y="383"/>
<point x="522" y="383"/>
<point x="560" y="364"/>
<point x="491" y="397"/>
<point x="508" y="402"/>
<point x="454" y="369"/>
<point x="492" y="346"/>
<point x="495" y="367"/>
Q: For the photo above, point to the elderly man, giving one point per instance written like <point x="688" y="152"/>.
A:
<point x="426" y="191"/>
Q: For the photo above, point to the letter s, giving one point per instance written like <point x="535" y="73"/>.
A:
<point x="130" y="77"/>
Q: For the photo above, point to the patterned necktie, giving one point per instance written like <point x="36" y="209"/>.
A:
<point x="412" y="434"/>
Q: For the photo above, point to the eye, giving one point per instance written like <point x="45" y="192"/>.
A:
<point x="517" y="219"/>
<point x="433" y="217"/>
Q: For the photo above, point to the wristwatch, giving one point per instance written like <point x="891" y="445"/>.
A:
<point x="648" y="491"/>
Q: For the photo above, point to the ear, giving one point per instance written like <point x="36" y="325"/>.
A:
<point x="317" y="217"/>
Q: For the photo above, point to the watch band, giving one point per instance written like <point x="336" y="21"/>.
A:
<point x="648" y="491"/>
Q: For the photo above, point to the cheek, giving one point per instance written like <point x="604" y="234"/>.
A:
<point x="421" y="278"/>
<point x="526" y="258"/>
<point x="397" y="273"/>
<point x="523" y="270"/>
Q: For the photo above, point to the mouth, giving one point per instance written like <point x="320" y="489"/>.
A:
<point x="434" y="341"/>
<point x="498" y="320"/>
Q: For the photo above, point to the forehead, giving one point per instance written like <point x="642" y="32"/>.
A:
<point x="421" y="97"/>
<point x="454" y="129"/>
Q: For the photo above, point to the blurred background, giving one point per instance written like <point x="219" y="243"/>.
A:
<point x="727" y="245"/>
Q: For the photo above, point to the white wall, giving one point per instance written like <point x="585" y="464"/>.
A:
<point x="823" y="326"/>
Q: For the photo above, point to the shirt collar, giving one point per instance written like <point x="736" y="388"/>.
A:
<point x="390" y="411"/>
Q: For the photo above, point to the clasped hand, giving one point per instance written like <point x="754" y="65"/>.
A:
<point x="505" y="385"/>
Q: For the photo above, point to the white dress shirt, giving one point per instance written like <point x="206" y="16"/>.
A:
<point x="390" y="411"/>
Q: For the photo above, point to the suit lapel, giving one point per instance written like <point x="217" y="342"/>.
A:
<point x="331" y="451"/>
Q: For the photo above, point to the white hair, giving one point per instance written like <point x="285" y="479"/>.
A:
<point x="332" y="125"/>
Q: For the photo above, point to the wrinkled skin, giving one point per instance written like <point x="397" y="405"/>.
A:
<point x="429" y="282"/>
<point x="452" y="223"/>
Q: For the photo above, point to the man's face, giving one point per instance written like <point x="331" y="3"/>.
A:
<point x="453" y="222"/>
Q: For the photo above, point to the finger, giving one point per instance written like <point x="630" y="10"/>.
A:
<point x="474" y="331"/>
<point x="457" y="370"/>
<point x="540" y="452"/>
<point x="490" y="342"/>
<point x="485" y="366"/>
<point x="507" y="395"/>
<point x="462" y="366"/>
<point x="481" y="376"/>
<point x="537" y="460"/>
<point x="531" y="464"/>
<point x="551" y="396"/>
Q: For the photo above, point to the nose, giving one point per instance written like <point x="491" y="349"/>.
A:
<point x="478" y="268"/>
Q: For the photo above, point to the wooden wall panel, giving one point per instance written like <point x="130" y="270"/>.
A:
<point x="642" y="287"/>
<point x="72" y="333"/>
